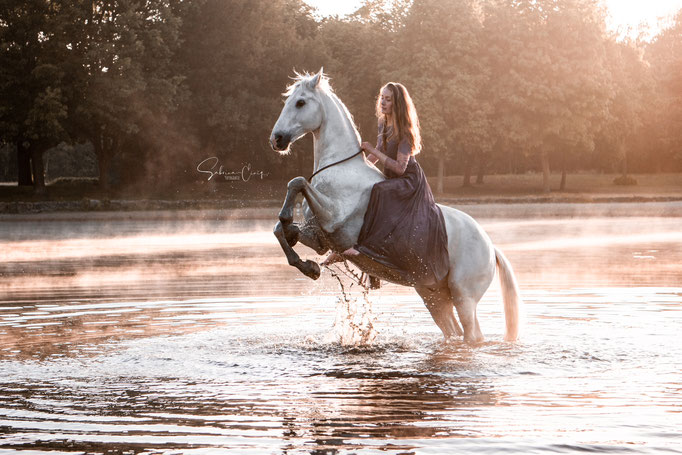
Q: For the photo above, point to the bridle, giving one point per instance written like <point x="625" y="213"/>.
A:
<point x="333" y="164"/>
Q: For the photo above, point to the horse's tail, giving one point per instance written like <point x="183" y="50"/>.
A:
<point x="510" y="296"/>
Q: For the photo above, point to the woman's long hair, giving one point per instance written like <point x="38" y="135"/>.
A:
<point x="405" y="120"/>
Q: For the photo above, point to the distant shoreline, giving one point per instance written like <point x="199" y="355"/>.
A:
<point x="512" y="189"/>
<point x="661" y="206"/>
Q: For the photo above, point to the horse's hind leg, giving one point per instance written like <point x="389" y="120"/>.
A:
<point x="311" y="235"/>
<point x="466" y="310"/>
<point x="439" y="304"/>
<point x="468" y="283"/>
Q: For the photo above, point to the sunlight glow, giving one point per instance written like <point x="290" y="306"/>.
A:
<point x="334" y="7"/>
<point x="625" y="16"/>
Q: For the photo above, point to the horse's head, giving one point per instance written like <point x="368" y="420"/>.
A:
<point x="302" y="112"/>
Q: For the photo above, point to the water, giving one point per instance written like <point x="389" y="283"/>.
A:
<point x="188" y="333"/>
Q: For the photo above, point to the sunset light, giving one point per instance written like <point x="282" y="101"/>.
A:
<point x="278" y="227"/>
<point x="624" y="16"/>
<point x="629" y="15"/>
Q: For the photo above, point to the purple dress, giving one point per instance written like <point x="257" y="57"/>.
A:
<point x="403" y="227"/>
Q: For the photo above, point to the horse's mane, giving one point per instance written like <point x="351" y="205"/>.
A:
<point x="324" y="86"/>
<point x="306" y="78"/>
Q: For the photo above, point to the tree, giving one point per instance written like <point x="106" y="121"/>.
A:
<point x="354" y="51"/>
<point x="236" y="55"/>
<point x="32" y="83"/>
<point x="664" y="54"/>
<point x="446" y="78"/>
<point x="93" y="70"/>
<point x="128" y="87"/>
<point x="631" y="90"/>
<point x="550" y="85"/>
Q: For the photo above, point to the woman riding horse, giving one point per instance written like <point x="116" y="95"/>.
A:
<point x="403" y="227"/>
<point x="392" y="222"/>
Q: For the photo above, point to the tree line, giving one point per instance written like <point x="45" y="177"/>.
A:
<point x="156" y="86"/>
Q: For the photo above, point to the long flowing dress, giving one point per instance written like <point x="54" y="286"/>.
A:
<point x="403" y="227"/>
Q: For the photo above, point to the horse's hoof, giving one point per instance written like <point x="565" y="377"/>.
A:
<point x="473" y="341"/>
<point x="311" y="269"/>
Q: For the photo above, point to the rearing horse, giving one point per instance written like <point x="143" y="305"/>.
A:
<point x="336" y="199"/>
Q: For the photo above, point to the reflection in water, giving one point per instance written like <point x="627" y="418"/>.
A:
<point x="153" y="333"/>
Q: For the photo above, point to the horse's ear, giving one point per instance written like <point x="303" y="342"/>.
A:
<point x="315" y="81"/>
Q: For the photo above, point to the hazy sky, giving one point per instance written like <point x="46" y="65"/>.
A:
<point x="623" y="13"/>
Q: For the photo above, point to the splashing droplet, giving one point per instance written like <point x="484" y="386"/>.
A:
<point x="354" y="322"/>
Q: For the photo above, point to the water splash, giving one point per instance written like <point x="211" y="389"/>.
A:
<point x="355" y="318"/>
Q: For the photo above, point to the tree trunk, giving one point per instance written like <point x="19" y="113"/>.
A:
<point x="102" y="159"/>
<point x="481" y="169"/>
<point x="103" y="167"/>
<point x="562" y="185"/>
<point x="38" y="168"/>
<point x="467" y="173"/>
<point x="625" y="161"/>
<point x="24" y="174"/>
<point x="441" y="174"/>
<point x="545" y="171"/>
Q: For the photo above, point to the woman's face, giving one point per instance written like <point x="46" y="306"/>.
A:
<point x="386" y="101"/>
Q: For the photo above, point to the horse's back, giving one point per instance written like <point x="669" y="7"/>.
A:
<point x="472" y="256"/>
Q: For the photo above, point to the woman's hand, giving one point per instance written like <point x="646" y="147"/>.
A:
<point x="372" y="156"/>
<point x="367" y="147"/>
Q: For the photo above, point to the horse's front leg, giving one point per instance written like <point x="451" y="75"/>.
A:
<point x="308" y="268"/>
<point x="318" y="202"/>
<point x="288" y="233"/>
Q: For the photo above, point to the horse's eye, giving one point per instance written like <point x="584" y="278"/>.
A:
<point x="300" y="104"/>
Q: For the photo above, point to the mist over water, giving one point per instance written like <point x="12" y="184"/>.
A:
<point x="188" y="332"/>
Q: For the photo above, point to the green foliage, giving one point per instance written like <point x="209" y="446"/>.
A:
<point x="67" y="161"/>
<point x="664" y="119"/>
<point x="45" y="119"/>
<point x="447" y="79"/>
<point x="550" y="84"/>
<point x="33" y="105"/>
<point x="157" y="86"/>
<point x="237" y="56"/>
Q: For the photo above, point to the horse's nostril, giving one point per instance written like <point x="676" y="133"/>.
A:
<point x="281" y="140"/>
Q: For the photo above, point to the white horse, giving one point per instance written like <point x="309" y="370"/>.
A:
<point x="336" y="198"/>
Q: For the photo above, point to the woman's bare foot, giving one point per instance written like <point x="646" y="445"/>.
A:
<point x="332" y="259"/>
<point x="351" y="252"/>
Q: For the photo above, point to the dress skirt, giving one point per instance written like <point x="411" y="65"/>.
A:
<point x="404" y="229"/>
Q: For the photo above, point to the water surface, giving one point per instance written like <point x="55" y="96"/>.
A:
<point x="187" y="332"/>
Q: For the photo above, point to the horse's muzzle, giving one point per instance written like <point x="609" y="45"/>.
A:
<point x="279" y="141"/>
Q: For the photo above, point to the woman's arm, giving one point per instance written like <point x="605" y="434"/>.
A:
<point x="372" y="158"/>
<point x="398" y="166"/>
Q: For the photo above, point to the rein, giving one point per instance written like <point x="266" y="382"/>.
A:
<point x="333" y="164"/>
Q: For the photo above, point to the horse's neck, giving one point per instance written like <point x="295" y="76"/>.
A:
<point x="336" y="138"/>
